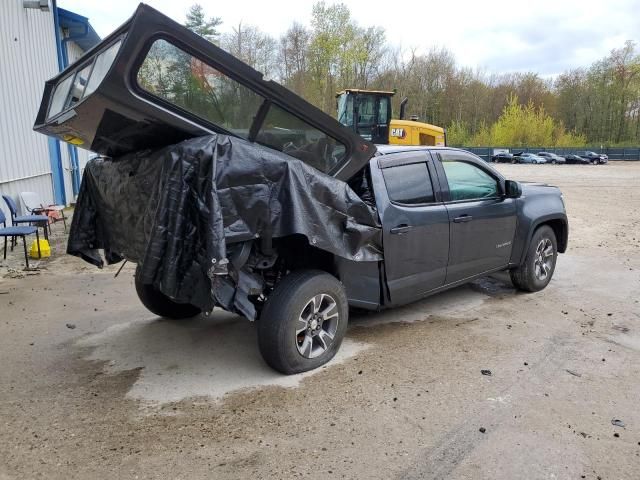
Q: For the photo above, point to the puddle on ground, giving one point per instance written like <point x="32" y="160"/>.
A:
<point x="215" y="355"/>
<point x="204" y="356"/>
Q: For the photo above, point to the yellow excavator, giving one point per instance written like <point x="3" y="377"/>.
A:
<point x="368" y="113"/>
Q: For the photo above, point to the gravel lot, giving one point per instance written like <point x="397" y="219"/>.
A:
<point x="94" y="386"/>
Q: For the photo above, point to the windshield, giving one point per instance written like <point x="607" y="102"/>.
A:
<point x="366" y="110"/>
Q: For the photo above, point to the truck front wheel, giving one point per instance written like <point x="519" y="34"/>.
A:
<point x="303" y="321"/>
<point x="158" y="303"/>
<point x="537" y="269"/>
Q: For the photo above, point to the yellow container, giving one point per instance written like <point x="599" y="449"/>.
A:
<point x="45" y="249"/>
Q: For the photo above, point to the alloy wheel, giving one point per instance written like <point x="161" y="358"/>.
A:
<point x="317" y="326"/>
<point x="543" y="260"/>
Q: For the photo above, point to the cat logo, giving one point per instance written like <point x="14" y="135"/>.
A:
<point x="398" y="132"/>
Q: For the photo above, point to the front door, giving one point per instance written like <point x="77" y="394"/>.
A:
<point x="482" y="221"/>
<point x="415" y="225"/>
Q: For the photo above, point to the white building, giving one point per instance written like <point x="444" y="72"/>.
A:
<point x="37" y="40"/>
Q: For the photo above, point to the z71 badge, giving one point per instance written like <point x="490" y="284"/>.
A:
<point x="398" y="132"/>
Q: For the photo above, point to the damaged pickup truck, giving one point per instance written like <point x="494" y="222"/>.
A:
<point x="230" y="191"/>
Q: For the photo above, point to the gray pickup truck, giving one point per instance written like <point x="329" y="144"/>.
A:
<point x="230" y="191"/>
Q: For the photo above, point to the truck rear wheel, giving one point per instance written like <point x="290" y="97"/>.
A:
<point x="158" y="303"/>
<point x="303" y="321"/>
<point x="537" y="269"/>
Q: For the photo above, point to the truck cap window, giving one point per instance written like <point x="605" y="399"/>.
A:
<point x="409" y="184"/>
<point x="287" y="133"/>
<point x="191" y="84"/>
<point x="468" y="182"/>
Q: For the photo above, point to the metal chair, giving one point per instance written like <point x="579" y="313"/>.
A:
<point x="20" y="231"/>
<point x="34" y="205"/>
<point x="16" y="220"/>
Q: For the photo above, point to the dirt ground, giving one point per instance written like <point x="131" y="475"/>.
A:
<point x="94" y="386"/>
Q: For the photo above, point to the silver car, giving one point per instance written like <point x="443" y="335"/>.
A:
<point x="531" y="158"/>
<point x="552" y="157"/>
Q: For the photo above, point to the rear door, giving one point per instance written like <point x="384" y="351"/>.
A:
<point x="482" y="221"/>
<point x="415" y="224"/>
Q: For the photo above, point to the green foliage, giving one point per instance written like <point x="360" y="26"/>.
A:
<point x="198" y="22"/>
<point x="522" y="126"/>
<point x="458" y="133"/>
<point x="563" y="138"/>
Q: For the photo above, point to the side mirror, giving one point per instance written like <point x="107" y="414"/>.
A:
<point x="512" y="189"/>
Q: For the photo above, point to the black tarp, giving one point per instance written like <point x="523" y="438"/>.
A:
<point x="172" y="209"/>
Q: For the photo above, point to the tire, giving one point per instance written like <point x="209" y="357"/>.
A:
<point x="594" y="162"/>
<point x="553" y="162"/>
<point x="289" y="308"/>
<point x="528" y="276"/>
<point x="158" y="303"/>
<point x="514" y="161"/>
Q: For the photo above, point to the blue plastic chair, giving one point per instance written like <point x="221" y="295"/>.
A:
<point x="18" y="231"/>
<point x="16" y="220"/>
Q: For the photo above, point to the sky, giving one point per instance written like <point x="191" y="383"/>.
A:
<point x="543" y="36"/>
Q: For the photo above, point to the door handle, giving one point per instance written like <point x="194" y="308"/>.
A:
<point x="400" y="229"/>
<point x="463" y="219"/>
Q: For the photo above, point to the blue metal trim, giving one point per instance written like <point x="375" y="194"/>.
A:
<point x="75" y="168"/>
<point x="57" y="178"/>
<point x="80" y="30"/>
<point x="55" y="156"/>
<point x="56" y="28"/>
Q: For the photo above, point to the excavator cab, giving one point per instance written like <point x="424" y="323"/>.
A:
<point x="368" y="113"/>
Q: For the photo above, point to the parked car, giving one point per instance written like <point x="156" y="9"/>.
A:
<point x="503" y="157"/>
<point x="572" y="158"/>
<point x="551" y="157"/>
<point x="593" y="157"/>
<point x="289" y="230"/>
<point x="530" y="158"/>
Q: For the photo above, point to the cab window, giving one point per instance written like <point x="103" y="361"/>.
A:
<point x="409" y="184"/>
<point x="469" y="182"/>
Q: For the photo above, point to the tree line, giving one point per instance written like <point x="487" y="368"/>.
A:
<point x="597" y="104"/>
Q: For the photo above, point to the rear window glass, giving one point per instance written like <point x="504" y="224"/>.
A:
<point x="409" y="184"/>
<point x="189" y="83"/>
<point x="195" y="86"/>
<point x="287" y="133"/>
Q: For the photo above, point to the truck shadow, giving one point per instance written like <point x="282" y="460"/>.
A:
<point x="450" y="303"/>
